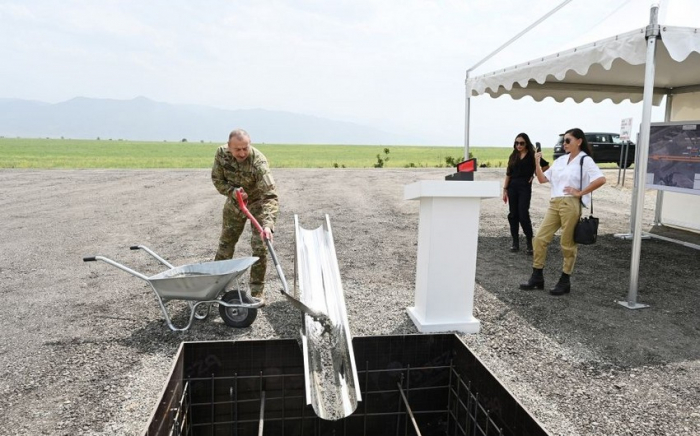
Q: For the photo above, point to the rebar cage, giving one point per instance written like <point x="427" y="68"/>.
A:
<point x="411" y="385"/>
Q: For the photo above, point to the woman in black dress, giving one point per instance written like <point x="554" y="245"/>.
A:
<point x="517" y="189"/>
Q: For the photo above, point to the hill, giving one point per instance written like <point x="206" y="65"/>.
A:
<point x="147" y="120"/>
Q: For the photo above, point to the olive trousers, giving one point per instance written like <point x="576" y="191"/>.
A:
<point x="563" y="213"/>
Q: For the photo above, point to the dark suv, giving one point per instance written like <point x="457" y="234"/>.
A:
<point x="607" y="147"/>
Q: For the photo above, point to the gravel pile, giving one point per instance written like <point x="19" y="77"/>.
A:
<point x="85" y="349"/>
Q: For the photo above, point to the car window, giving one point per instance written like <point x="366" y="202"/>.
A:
<point x="616" y="139"/>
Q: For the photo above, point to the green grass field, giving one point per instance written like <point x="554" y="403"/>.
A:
<point x="82" y="154"/>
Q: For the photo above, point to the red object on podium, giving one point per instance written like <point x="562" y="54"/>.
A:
<point x="467" y="166"/>
<point x="465" y="171"/>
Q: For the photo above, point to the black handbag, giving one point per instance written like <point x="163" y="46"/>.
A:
<point x="586" y="230"/>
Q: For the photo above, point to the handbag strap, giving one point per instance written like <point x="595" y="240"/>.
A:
<point x="581" y="187"/>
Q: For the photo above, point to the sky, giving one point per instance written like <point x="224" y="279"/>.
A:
<point x="396" y="65"/>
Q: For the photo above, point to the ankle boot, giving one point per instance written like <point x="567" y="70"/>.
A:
<point x="516" y="244"/>
<point x="528" y="240"/>
<point x="536" y="281"/>
<point x="563" y="286"/>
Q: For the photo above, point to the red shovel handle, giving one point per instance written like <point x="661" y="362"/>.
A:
<point x="244" y="209"/>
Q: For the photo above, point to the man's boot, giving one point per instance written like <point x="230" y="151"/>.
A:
<point x="536" y="281"/>
<point x="528" y="240"/>
<point x="246" y="298"/>
<point x="563" y="286"/>
<point x="257" y="290"/>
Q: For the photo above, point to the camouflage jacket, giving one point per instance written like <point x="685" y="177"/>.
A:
<point x="254" y="176"/>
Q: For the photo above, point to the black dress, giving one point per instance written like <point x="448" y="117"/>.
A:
<point x="519" y="194"/>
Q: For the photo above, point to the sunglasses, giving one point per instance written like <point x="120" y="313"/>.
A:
<point x="567" y="141"/>
<point x="519" y="143"/>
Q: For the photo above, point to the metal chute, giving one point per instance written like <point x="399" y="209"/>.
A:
<point x="332" y="386"/>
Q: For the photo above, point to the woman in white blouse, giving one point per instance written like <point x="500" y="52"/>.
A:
<point x="567" y="194"/>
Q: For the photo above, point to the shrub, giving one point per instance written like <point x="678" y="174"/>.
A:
<point x="381" y="161"/>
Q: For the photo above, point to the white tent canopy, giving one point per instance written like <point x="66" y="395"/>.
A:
<point x="642" y="65"/>
<point x="610" y="68"/>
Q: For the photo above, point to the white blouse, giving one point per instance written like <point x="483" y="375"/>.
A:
<point x="563" y="173"/>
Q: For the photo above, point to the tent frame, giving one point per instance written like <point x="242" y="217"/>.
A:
<point x="652" y="33"/>
<point x="650" y="93"/>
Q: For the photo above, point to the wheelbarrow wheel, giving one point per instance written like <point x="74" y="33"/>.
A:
<point x="236" y="316"/>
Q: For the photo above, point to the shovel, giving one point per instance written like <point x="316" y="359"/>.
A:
<point x="315" y="314"/>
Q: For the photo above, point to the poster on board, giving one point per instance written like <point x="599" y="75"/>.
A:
<point x="674" y="157"/>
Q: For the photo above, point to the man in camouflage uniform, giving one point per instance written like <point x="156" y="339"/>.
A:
<point x="239" y="165"/>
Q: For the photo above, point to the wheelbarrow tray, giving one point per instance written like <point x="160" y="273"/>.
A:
<point x="199" y="281"/>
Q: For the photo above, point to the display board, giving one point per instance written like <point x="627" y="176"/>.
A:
<point x="674" y="157"/>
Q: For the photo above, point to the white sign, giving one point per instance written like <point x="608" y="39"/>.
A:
<point x="626" y="129"/>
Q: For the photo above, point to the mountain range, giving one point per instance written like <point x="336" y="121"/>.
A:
<point x="147" y="120"/>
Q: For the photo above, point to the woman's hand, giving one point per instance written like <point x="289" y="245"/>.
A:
<point x="570" y="190"/>
<point x="538" y="156"/>
<point x="505" y="195"/>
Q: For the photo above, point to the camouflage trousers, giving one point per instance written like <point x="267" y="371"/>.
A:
<point x="234" y="222"/>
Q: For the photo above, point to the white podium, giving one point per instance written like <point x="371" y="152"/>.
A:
<point x="448" y="233"/>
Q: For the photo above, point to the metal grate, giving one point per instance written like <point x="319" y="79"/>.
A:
<point x="411" y="385"/>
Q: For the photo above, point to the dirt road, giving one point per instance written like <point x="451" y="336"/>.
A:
<point x="85" y="349"/>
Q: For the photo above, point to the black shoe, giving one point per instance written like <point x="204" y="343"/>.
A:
<point x="563" y="286"/>
<point x="528" y="250"/>
<point x="516" y="245"/>
<point x="536" y="281"/>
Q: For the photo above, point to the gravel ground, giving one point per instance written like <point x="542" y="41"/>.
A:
<point x="85" y="349"/>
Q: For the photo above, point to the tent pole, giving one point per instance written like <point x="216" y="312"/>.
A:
<point x="635" y="184"/>
<point x="659" y="207"/>
<point x="466" y="117"/>
<point x="641" y="164"/>
<point x="633" y="207"/>
<point x="492" y="54"/>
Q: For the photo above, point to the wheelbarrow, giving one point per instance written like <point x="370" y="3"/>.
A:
<point x="201" y="285"/>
